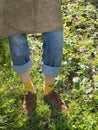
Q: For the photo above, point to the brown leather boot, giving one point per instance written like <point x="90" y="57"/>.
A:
<point x="29" y="103"/>
<point x="55" y="100"/>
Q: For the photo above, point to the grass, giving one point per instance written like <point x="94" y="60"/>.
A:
<point x="82" y="112"/>
<point x="77" y="82"/>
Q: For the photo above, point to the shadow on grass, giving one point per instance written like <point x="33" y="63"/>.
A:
<point x="44" y="118"/>
<point x="53" y="121"/>
<point x="59" y="120"/>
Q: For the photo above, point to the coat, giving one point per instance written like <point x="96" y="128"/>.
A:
<point x="29" y="16"/>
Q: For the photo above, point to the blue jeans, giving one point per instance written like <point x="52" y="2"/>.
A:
<point x="52" y="52"/>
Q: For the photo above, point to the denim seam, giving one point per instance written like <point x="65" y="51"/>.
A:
<point x="23" y="68"/>
<point x="50" y="71"/>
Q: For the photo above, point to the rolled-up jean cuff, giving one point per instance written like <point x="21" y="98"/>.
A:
<point x="23" y="68"/>
<point x="50" y="71"/>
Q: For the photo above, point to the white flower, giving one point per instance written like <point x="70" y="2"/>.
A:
<point x="76" y="79"/>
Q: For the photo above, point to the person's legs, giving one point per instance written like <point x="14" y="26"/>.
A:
<point x="21" y="62"/>
<point x="52" y="55"/>
<point x="51" y="64"/>
<point x="21" y="58"/>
